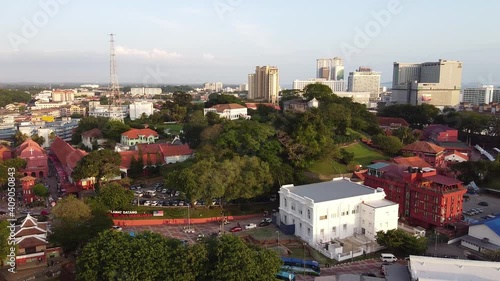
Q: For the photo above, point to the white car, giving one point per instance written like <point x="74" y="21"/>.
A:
<point x="147" y="203"/>
<point x="250" y="226"/>
<point x="154" y="203"/>
<point x="188" y="230"/>
<point x="116" y="227"/>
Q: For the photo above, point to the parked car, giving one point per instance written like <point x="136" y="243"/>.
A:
<point x="188" y="230"/>
<point x="266" y="222"/>
<point x="250" y="226"/>
<point x="116" y="227"/>
<point x="147" y="203"/>
<point x="200" y="237"/>
<point x="138" y="194"/>
<point x="154" y="203"/>
<point x="386" y="257"/>
<point x="236" y="229"/>
<point x="164" y="191"/>
<point x="483" y="203"/>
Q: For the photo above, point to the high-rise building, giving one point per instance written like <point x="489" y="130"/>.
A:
<point x="479" y="96"/>
<point x="364" y="80"/>
<point x="336" y="86"/>
<point x="145" y="91"/>
<point x="213" y="86"/>
<point x="264" y="84"/>
<point x="330" y="69"/>
<point x="437" y="83"/>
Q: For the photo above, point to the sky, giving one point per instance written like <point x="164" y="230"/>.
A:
<point x="192" y="42"/>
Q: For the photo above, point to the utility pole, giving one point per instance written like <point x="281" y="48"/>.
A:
<point x="114" y="88"/>
<point x="304" y="260"/>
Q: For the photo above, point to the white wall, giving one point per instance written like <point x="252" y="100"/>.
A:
<point x="481" y="231"/>
<point x="175" y="159"/>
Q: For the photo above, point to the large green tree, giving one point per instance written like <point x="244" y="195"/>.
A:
<point x="4" y="240"/>
<point x="114" y="196"/>
<point x="71" y="210"/>
<point x="196" y="123"/>
<point x="417" y="115"/>
<point x="101" y="164"/>
<point x="114" y="129"/>
<point x="41" y="191"/>
<point x="88" y="123"/>
<point x="401" y="242"/>
<point x="388" y="144"/>
<point x="150" y="256"/>
<point x="16" y="163"/>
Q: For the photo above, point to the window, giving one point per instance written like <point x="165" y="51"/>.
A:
<point x="309" y="214"/>
<point x="293" y="207"/>
<point x="353" y="212"/>
<point x="285" y="203"/>
<point x="300" y="211"/>
<point x="344" y="226"/>
<point x="343" y="213"/>
<point x="300" y="225"/>
<point x="322" y="232"/>
<point x="323" y="217"/>
<point x="293" y="221"/>
<point x="334" y="229"/>
<point x="308" y="231"/>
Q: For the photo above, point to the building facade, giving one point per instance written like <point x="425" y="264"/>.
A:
<point x="424" y="197"/>
<point x="27" y="183"/>
<point x="63" y="95"/>
<point x="483" y="236"/>
<point x="145" y="91"/>
<point x="437" y="83"/>
<point x="364" y="80"/>
<point x="326" y="211"/>
<point x="231" y="111"/>
<point x="137" y="108"/>
<point x="334" y="85"/>
<point x="116" y="112"/>
<point x="440" y="133"/>
<point x="480" y="96"/>
<point x="35" y="157"/>
<point x="136" y="136"/>
<point x="330" y="69"/>
<point x="264" y="85"/>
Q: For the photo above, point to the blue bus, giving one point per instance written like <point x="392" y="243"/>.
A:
<point x="300" y="270"/>
<point x="314" y="265"/>
<point x="283" y="275"/>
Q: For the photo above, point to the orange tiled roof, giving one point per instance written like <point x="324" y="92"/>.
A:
<point x="388" y="121"/>
<point x="29" y="231"/>
<point x="423" y="146"/>
<point x="413" y="161"/>
<point x="461" y="155"/>
<point x="95" y="133"/>
<point x="222" y="107"/>
<point x="31" y="242"/>
<point x="135" y="133"/>
<point x="65" y="153"/>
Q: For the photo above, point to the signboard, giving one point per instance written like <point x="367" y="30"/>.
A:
<point x="426" y="97"/>
<point x="157" y="213"/>
<point x="124" y="212"/>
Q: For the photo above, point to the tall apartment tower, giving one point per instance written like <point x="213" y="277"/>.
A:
<point x="330" y="69"/>
<point x="478" y="96"/>
<point x="264" y="85"/>
<point x="364" y="80"/>
<point x="437" y="83"/>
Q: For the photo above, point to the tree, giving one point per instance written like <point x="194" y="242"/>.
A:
<point x="216" y="98"/>
<point x="406" y="135"/>
<point x="19" y="138"/>
<point x="101" y="164"/>
<point x="4" y="240"/>
<point x="104" y="100"/>
<point x="401" y="242"/>
<point x="114" y="196"/>
<point x="150" y="256"/>
<point x="492" y="255"/>
<point x="114" y="129"/>
<point x="388" y="144"/>
<point x="88" y="123"/>
<point x="71" y="210"/>
<point x="319" y="91"/>
<point x="52" y="137"/>
<point x="16" y="163"/>
<point x="346" y="156"/>
<point x="417" y="115"/>
<point x="38" y="139"/>
<point x="195" y="124"/>
<point x="41" y="191"/>
<point x="182" y="99"/>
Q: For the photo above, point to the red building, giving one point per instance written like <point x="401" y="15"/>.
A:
<point x="424" y="197"/>
<point x="440" y="133"/>
<point x="430" y="152"/>
<point x="27" y="184"/>
<point x="36" y="159"/>
<point x="5" y="152"/>
<point x="67" y="158"/>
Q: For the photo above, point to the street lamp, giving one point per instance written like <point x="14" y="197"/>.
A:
<point x="278" y="232"/>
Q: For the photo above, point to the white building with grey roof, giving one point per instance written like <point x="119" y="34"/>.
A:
<point x="329" y="211"/>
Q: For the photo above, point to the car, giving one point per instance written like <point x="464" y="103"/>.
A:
<point x="386" y="257"/>
<point x="154" y="203"/>
<point x="200" y="237"/>
<point x="139" y="194"/>
<point x="147" y="203"/>
<point x="236" y="229"/>
<point x="483" y="203"/>
<point x="164" y="191"/>
<point x="181" y="203"/>
<point x="266" y="222"/>
<point x="250" y="226"/>
<point x="188" y="230"/>
<point x="116" y="227"/>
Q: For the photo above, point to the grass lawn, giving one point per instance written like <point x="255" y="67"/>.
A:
<point x="328" y="167"/>
<point x="174" y="128"/>
<point x="364" y="155"/>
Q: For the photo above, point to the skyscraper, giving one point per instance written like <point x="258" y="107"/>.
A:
<point x="264" y="85"/>
<point x="437" y="83"/>
<point x="364" y="80"/>
<point x="330" y="69"/>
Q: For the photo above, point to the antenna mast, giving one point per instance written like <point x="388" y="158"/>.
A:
<point x="114" y="88"/>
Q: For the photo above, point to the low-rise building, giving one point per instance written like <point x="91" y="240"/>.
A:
<point x="138" y="108"/>
<point x="483" y="236"/>
<point x="231" y="111"/>
<point x="300" y="105"/>
<point x="392" y="123"/>
<point x="455" y="157"/>
<point x="155" y="154"/>
<point x="136" y="136"/>
<point x="27" y="183"/>
<point x="325" y="212"/>
<point x="440" y="133"/>
<point x="431" y="153"/>
<point x="35" y="157"/>
<point x="68" y="157"/>
<point x="92" y="136"/>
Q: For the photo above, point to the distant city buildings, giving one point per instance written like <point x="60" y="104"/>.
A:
<point x="137" y="108"/>
<point x="243" y="87"/>
<point x="334" y="85"/>
<point x="437" y="83"/>
<point x="330" y="69"/>
<point x="213" y="86"/>
<point x="145" y="91"/>
<point x="63" y="95"/>
<point x="480" y="96"/>
<point x="91" y="86"/>
<point x="111" y="111"/>
<point x="364" y="80"/>
<point x="264" y="84"/>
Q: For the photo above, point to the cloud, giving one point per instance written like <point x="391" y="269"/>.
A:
<point x="208" y="56"/>
<point x="148" y="54"/>
<point x="166" y="24"/>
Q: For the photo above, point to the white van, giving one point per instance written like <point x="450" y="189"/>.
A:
<point x="388" y="257"/>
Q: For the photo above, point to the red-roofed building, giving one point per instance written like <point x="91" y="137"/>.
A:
<point x="231" y="111"/>
<point x="454" y="157"/>
<point x="429" y="152"/>
<point x="27" y="183"/>
<point x="68" y="157"/>
<point x="36" y="159"/>
<point x="136" y="136"/>
<point x="424" y="197"/>
<point x="392" y="123"/>
<point x="5" y="152"/>
<point x="412" y="161"/>
<point x="91" y="136"/>
<point x="31" y="240"/>
<point x="156" y="154"/>
<point x="440" y="133"/>
<point x="252" y="105"/>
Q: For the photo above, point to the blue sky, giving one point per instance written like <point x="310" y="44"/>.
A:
<point x="223" y="40"/>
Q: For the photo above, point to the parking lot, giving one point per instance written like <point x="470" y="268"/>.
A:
<point x="157" y="195"/>
<point x="473" y="203"/>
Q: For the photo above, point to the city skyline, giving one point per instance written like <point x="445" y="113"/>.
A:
<point x="192" y="42"/>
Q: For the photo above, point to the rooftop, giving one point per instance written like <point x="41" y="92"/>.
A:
<point x="423" y="146"/>
<point x="222" y="107"/>
<point x="380" y="203"/>
<point x="135" y="133"/>
<point x="388" y="121"/>
<point x="493" y="224"/>
<point x="330" y="190"/>
<point x="430" y="268"/>
<point x="443" y="180"/>
<point x="413" y="161"/>
<point x="456" y="144"/>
